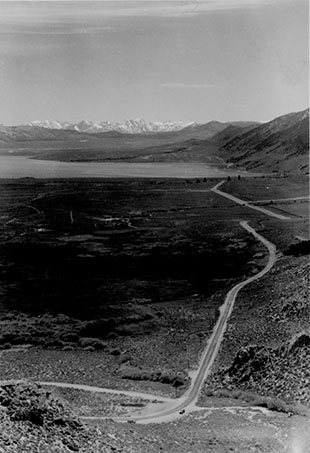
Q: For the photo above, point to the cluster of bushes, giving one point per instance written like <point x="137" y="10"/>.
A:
<point x="301" y="248"/>
<point x="163" y="376"/>
<point x="46" y="330"/>
<point x="62" y="332"/>
<point x="271" y="403"/>
<point x="66" y="341"/>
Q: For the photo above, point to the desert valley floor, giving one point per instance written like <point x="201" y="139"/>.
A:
<point x="116" y="284"/>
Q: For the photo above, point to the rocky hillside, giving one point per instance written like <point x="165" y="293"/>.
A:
<point x="33" y="419"/>
<point x="267" y="345"/>
<point x="230" y="132"/>
<point x="279" y="145"/>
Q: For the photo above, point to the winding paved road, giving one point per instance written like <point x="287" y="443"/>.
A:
<point x="188" y="400"/>
<point x="171" y="408"/>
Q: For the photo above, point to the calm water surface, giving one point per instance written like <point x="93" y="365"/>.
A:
<point x="21" y="166"/>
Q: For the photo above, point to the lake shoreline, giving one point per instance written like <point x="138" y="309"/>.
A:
<point x="15" y="167"/>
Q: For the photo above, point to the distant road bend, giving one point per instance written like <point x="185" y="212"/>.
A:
<point x="247" y="204"/>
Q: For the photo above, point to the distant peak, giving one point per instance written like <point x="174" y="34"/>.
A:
<point x="130" y="126"/>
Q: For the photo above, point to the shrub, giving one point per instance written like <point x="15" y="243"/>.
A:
<point x="98" y="328"/>
<point x="165" y="376"/>
<point x="70" y="336"/>
<point x="54" y="343"/>
<point x="301" y="248"/>
<point x="8" y="337"/>
<point x="275" y="404"/>
<point x="236" y="394"/>
<point x="300" y="409"/>
<point x="125" y="358"/>
<point x="178" y="382"/>
<point x="64" y="319"/>
<point x="68" y="347"/>
<point x="115" y="352"/>
<point x="130" y="330"/>
<point x="112" y="335"/>
<point x="248" y="396"/>
<point x="93" y="342"/>
<point x="222" y="393"/>
<point x="5" y="346"/>
<point x="209" y="392"/>
<point x="259" y="401"/>
<point x="271" y="403"/>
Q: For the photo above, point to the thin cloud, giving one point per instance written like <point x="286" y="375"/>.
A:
<point x="55" y="31"/>
<point x="186" y="85"/>
<point x="38" y="9"/>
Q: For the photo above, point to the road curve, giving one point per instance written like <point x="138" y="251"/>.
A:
<point x="94" y="389"/>
<point x="216" y="189"/>
<point x="172" y="409"/>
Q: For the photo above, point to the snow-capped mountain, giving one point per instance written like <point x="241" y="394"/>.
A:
<point x="136" y="126"/>
<point x="50" y="124"/>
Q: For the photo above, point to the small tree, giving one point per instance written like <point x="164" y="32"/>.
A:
<point x="177" y="382"/>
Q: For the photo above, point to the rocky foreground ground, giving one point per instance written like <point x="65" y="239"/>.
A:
<point x="33" y="419"/>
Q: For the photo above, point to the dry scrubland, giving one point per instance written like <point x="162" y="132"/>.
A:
<point x="118" y="268"/>
<point x="96" y="274"/>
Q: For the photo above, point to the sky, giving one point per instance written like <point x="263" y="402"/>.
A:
<point x="223" y="60"/>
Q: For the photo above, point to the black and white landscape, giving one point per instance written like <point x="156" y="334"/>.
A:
<point x="154" y="273"/>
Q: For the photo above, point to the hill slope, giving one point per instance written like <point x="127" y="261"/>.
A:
<point x="232" y="131"/>
<point x="279" y="145"/>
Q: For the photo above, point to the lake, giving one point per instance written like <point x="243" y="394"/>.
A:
<point x="21" y="166"/>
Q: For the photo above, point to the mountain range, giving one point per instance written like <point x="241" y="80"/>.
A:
<point x="55" y="130"/>
<point x="278" y="145"/>
<point x="135" y="126"/>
